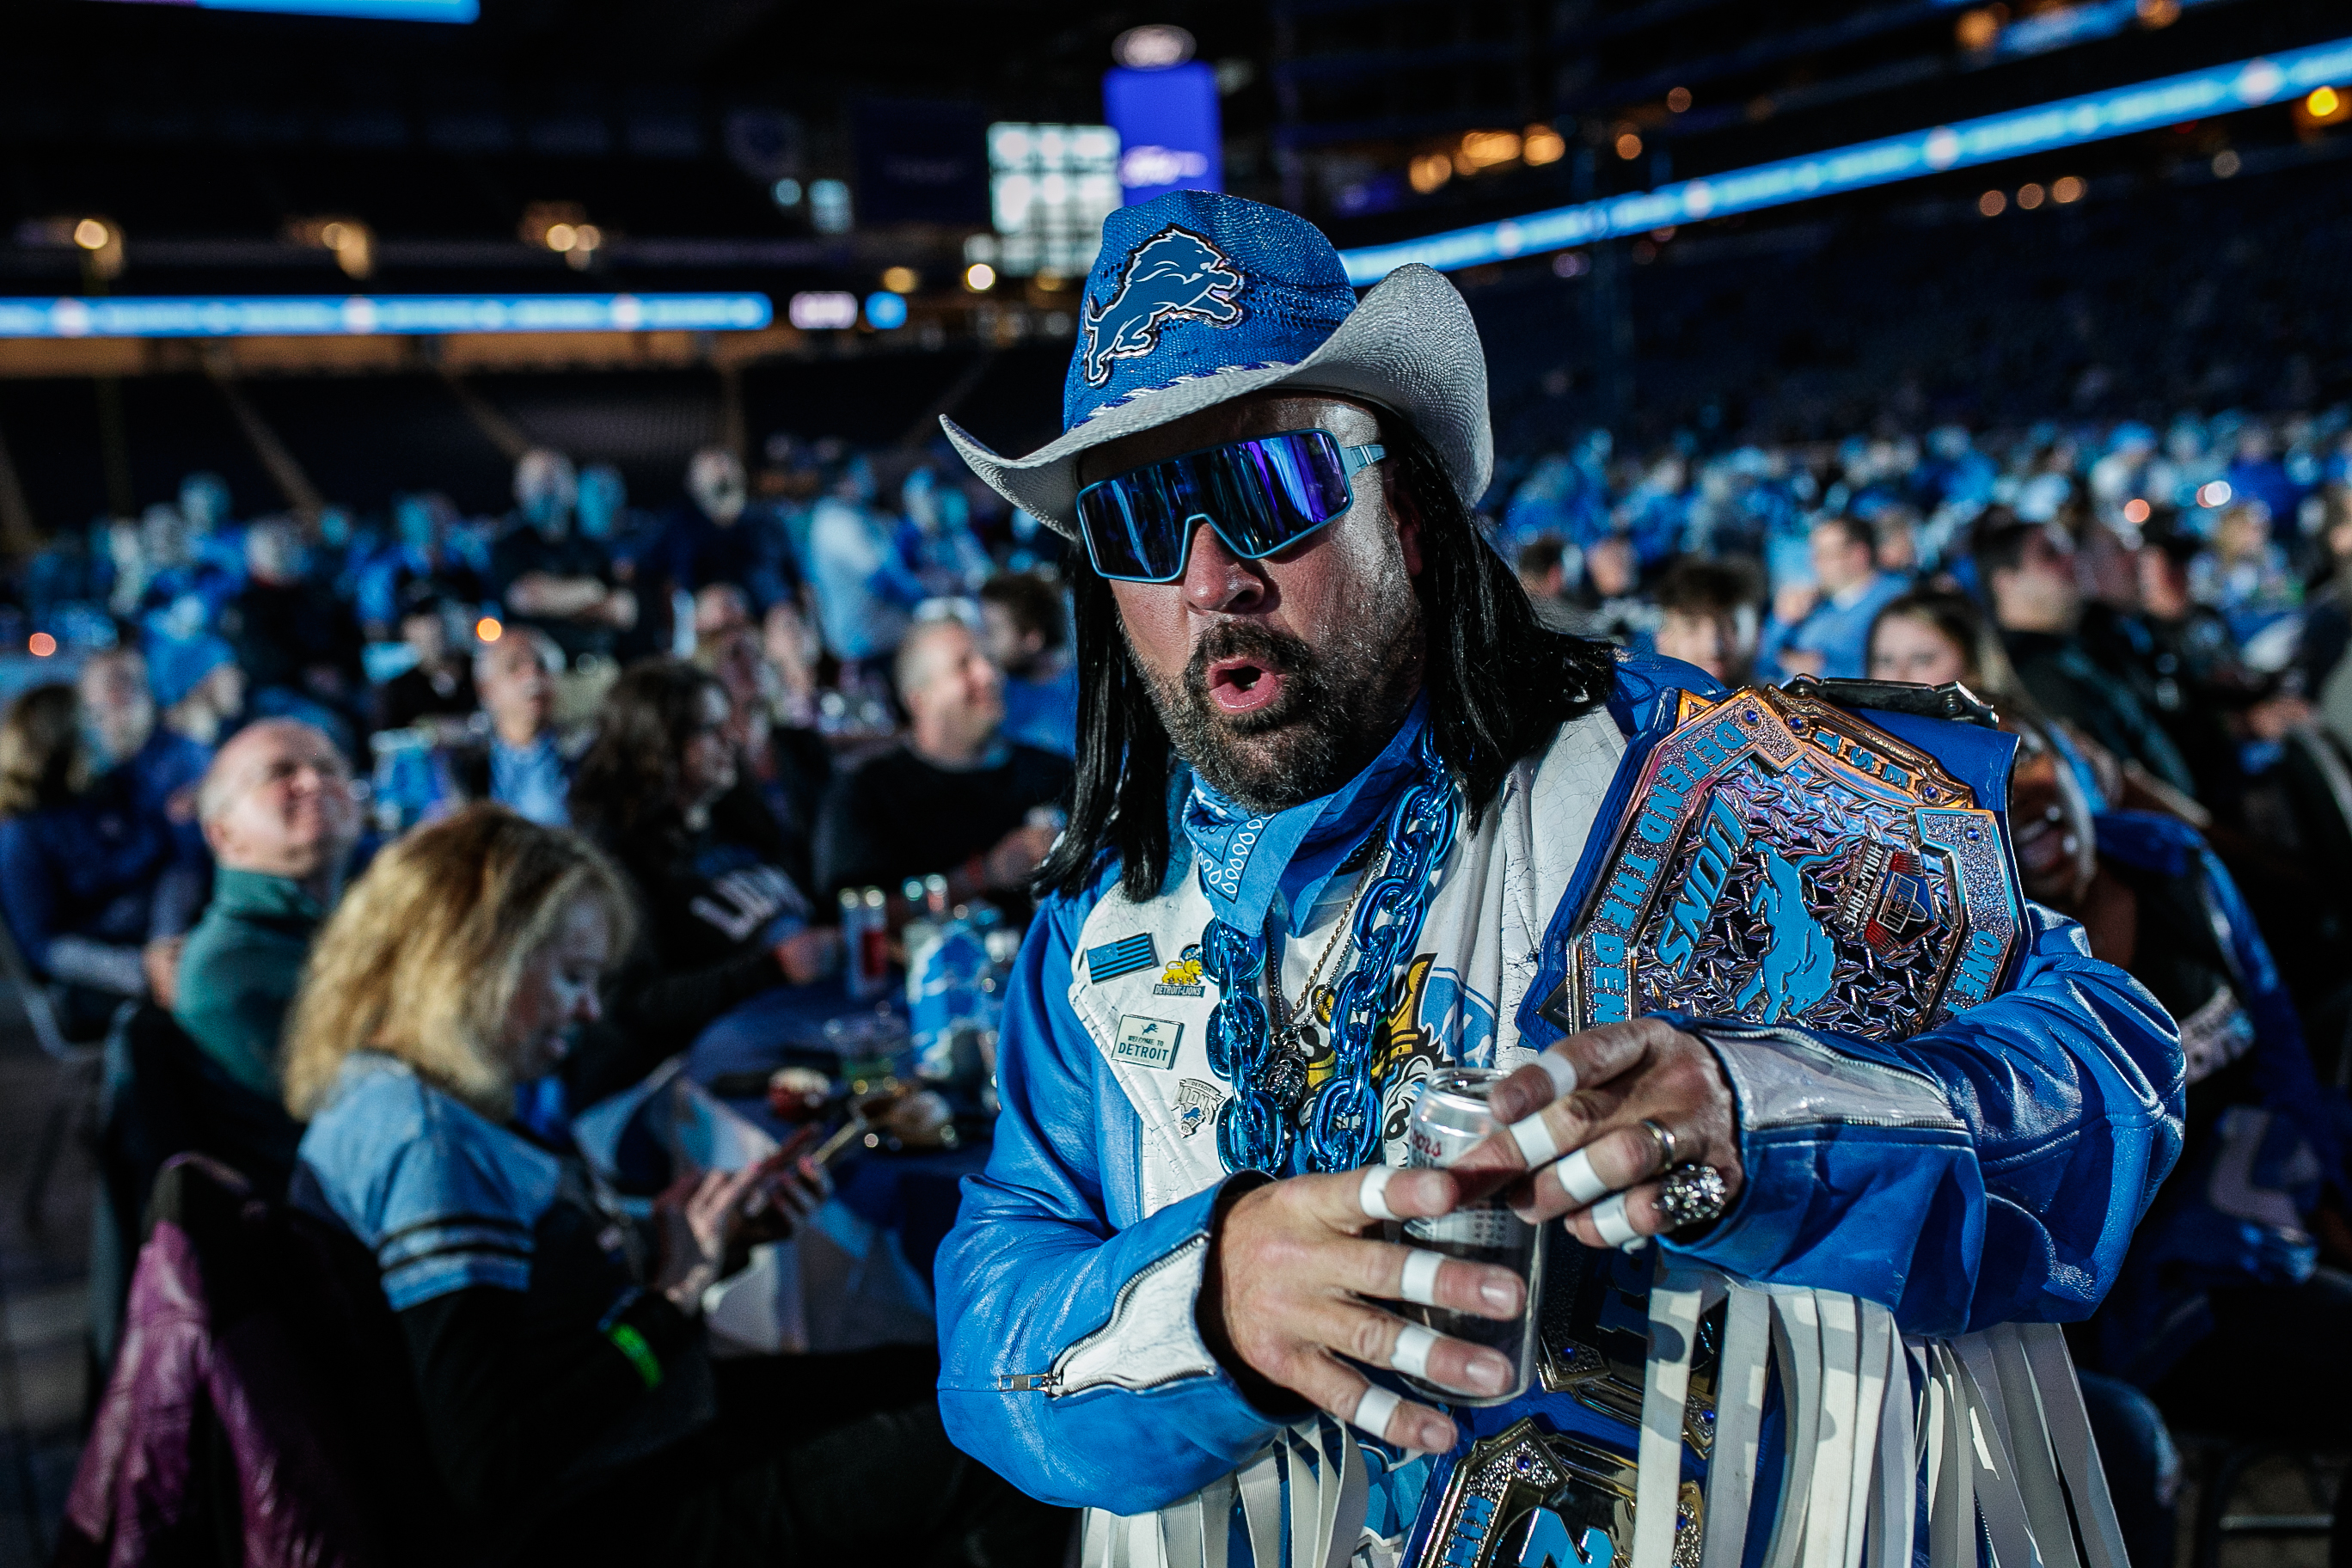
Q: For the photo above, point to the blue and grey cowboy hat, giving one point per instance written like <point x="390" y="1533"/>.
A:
<point x="1196" y="299"/>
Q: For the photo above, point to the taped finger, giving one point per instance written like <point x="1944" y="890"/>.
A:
<point x="1538" y="1145"/>
<point x="1372" y="1195"/>
<point x="1411" y="1356"/>
<point x="1419" y="1284"/>
<point x="1608" y="1218"/>
<point x="1579" y="1181"/>
<point x="1374" y="1410"/>
<point x="1561" y="1070"/>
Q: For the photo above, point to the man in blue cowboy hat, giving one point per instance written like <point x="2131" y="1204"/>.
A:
<point x="1334" y="791"/>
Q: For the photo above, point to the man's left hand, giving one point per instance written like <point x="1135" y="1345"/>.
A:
<point x="1625" y="1074"/>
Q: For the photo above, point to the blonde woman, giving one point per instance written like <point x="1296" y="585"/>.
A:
<point x="573" y="1409"/>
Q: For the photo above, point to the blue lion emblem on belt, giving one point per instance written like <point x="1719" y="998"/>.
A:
<point x="1801" y="963"/>
<point x="1174" y="276"/>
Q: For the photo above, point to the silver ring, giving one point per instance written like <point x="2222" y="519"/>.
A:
<point x="1665" y="1138"/>
<point x="1692" y="1195"/>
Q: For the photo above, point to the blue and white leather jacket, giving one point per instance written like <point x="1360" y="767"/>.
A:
<point x="1989" y="1170"/>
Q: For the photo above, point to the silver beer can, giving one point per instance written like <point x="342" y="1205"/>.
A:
<point x="1449" y="1117"/>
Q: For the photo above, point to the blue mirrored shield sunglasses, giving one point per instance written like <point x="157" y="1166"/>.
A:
<point x="1261" y="496"/>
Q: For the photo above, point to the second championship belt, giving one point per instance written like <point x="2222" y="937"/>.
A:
<point x="1787" y="861"/>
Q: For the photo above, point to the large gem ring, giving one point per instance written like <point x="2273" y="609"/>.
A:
<point x="1691" y="1194"/>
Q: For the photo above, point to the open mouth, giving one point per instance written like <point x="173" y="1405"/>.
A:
<point x="1243" y="685"/>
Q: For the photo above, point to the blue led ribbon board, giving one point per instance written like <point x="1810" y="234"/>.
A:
<point x="383" y="315"/>
<point x="2069" y="122"/>
<point x="378" y="10"/>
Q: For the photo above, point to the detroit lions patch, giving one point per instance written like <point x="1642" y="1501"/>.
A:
<point x="1182" y="978"/>
<point x="1148" y="1042"/>
<point x="1196" y="1105"/>
<point x="1174" y="276"/>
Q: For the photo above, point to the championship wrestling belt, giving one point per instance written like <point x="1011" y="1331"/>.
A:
<point x="1787" y="861"/>
<point x="1783" y="860"/>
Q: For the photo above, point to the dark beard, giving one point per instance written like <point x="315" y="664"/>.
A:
<point x="1338" y="708"/>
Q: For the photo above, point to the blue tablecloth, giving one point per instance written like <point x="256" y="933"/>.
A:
<point x="914" y="1195"/>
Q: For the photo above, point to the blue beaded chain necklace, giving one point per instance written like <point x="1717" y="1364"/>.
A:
<point x="1340" y="1122"/>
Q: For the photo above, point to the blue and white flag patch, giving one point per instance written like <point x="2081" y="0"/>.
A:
<point x="1124" y="956"/>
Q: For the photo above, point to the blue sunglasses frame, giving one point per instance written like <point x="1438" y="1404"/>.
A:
<point x="1352" y="461"/>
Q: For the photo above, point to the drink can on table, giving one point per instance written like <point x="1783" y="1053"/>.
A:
<point x="1449" y="1117"/>
<point x="865" y="941"/>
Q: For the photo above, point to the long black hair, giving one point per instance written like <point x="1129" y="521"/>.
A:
<point x="1499" y="684"/>
<point x="625" y="789"/>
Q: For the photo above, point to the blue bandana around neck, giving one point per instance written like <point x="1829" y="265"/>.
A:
<point x="1246" y="859"/>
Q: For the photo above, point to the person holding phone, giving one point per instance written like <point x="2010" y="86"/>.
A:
<point x="568" y="1392"/>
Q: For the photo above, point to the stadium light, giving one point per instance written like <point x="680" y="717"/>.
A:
<point x="1155" y="46"/>
<point x="381" y="315"/>
<point x="349" y="241"/>
<point x="98" y="239"/>
<point x="822" y="310"/>
<point x="2067" y="122"/>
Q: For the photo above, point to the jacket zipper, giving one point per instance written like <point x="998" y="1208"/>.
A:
<point x="1028" y="1381"/>
<point x="1049" y="1382"/>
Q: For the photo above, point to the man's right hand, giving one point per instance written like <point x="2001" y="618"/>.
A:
<point x="1290" y="1286"/>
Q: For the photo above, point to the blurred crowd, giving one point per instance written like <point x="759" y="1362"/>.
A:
<point x="867" y="660"/>
<point x="883" y="649"/>
<point x="2179" y="597"/>
<point x="2162" y="617"/>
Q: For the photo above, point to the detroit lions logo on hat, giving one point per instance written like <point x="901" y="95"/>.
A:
<point x="1174" y="276"/>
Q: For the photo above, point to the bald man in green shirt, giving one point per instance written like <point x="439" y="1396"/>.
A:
<point x="279" y="812"/>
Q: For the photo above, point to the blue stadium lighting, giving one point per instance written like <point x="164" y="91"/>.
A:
<point x="381" y="315"/>
<point x="886" y="311"/>
<point x="377" y="10"/>
<point x="2069" y="122"/>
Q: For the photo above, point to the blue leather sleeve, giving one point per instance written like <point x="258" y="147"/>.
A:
<point x="1987" y="1170"/>
<point x="1048" y="1248"/>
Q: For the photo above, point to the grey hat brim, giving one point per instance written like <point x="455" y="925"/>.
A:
<point x="1409" y="346"/>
